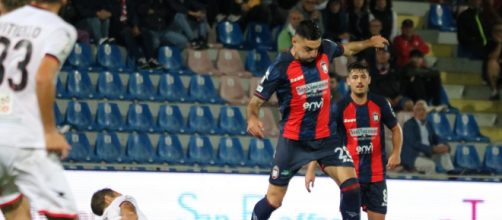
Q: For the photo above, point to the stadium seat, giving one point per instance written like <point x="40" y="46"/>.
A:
<point x="57" y="115"/>
<point x="201" y="89"/>
<point x="257" y="62"/>
<point x="200" y="62"/>
<point x="260" y="153"/>
<point x="79" y="85"/>
<point x="229" y="62"/>
<point x="230" y="152"/>
<point x="231" y="90"/>
<point x="171" y="89"/>
<point x="403" y="116"/>
<point x="441" y="18"/>
<point x="81" y="150"/>
<point x="108" y="117"/>
<point x="259" y="36"/>
<point x="110" y="86"/>
<point x="253" y="84"/>
<point x="110" y="57"/>
<point x="78" y="116"/>
<point x="60" y="89"/>
<point x="139" y="118"/>
<point x="231" y="121"/>
<point x="466" y="128"/>
<point x="441" y="126"/>
<point x="81" y="58"/>
<point x="493" y="159"/>
<point x="171" y="120"/>
<point x="108" y="148"/>
<point x="171" y="60"/>
<point x="270" y="126"/>
<point x="139" y="149"/>
<point x="467" y="158"/>
<point x="169" y="150"/>
<point x="201" y="120"/>
<point x="140" y="87"/>
<point x="200" y="150"/>
<point x="230" y="34"/>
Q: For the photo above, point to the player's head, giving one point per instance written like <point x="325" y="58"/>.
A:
<point x="10" y="5"/>
<point x="101" y="199"/>
<point x="382" y="56"/>
<point x="307" y="41"/>
<point x="358" y="78"/>
<point x="407" y="28"/>
<point x="417" y="58"/>
<point x="376" y="27"/>
<point x="420" y="110"/>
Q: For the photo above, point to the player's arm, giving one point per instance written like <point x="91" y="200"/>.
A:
<point x="128" y="211"/>
<point x="46" y="91"/>
<point x="355" y="47"/>
<point x="397" y="142"/>
<point x="310" y="175"/>
<point x="255" y="127"/>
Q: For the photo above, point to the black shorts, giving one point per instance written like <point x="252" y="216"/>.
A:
<point x="374" y="197"/>
<point x="290" y="156"/>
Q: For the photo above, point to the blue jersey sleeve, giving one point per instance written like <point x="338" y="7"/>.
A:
<point x="332" y="49"/>
<point x="388" y="115"/>
<point x="268" y="83"/>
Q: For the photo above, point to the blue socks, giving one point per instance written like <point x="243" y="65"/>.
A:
<point x="262" y="210"/>
<point x="350" y="199"/>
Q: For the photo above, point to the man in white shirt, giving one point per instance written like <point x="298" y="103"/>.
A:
<point x="111" y="205"/>
<point x="34" y="43"/>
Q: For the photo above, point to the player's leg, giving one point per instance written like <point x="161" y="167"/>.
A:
<point x="12" y="203"/>
<point x="272" y="201"/>
<point x="17" y="209"/>
<point x="376" y="206"/>
<point x="375" y="216"/>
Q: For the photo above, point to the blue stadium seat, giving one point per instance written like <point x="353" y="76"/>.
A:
<point x="466" y="128"/>
<point x="57" y="115"/>
<point x="140" y="87"/>
<point x="230" y="34"/>
<point x="171" y="120"/>
<point x="259" y="36"/>
<point x="139" y="118"/>
<point x="441" y="126"/>
<point x="260" y="153"/>
<point x="139" y="148"/>
<point x="201" y="89"/>
<point x="108" y="148"/>
<point x="230" y="152"/>
<point x="467" y="158"/>
<point x="81" y="150"/>
<point x="108" y="117"/>
<point x="169" y="150"/>
<point x="109" y="57"/>
<point x="343" y="88"/>
<point x="79" y="85"/>
<point x="60" y="89"/>
<point x="441" y="18"/>
<point x="110" y="86"/>
<point x="171" y="89"/>
<point x="171" y="60"/>
<point x="201" y="120"/>
<point x="444" y="100"/>
<point x="200" y="150"/>
<point x="257" y="62"/>
<point x="80" y="58"/>
<point x="231" y="121"/>
<point x="493" y="159"/>
<point x="78" y="115"/>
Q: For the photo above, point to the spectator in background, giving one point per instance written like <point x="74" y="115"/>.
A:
<point x="406" y="42"/>
<point x="308" y="8"/>
<point x="333" y="86"/>
<point x="369" y="54"/>
<point x="384" y="77"/>
<point x="423" y="149"/>
<point x="358" y="20"/>
<point x="420" y="82"/>
<point x="472" y="31"/>
<point x="289" y="30"/>
<point x="95" y="18"/>
<point x="493" y="61"/>
<point x="336" y="22"/>
<point x="382" y="10"/>
<point x="196" y="11"/>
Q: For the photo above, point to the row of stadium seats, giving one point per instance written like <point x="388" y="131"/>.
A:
<point x="229" y="62"/>
<point x="467" y="158"/>
<point x="139" y="149"/>
<point x="466" y="128"/>
<point x="168" y="119"/>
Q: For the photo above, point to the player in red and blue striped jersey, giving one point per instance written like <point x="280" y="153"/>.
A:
<point x="301" y="81"/>
<point x="360" y="119"/>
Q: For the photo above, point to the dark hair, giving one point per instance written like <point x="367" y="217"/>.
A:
<point x="416" y="53"/>
<point x="10" y="5"/>
<point x="358" y="65"/>
<point x="407" y="23"/>
<point x="309" y="30"/>
<point x="98" y="200"/>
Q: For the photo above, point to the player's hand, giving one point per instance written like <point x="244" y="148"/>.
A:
<point x="378" y="41"/>
<point x="394" y="161"/>
<point x="309" y="180"/>
<point x="255" y="128"/>
<point x="56" y="143"/>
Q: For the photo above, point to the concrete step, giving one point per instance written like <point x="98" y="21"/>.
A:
<point x="442" y="50"/>
<point x="459" y="65"/>
<point x="412" y="8"/>
<point x="481" y="92"/>
<point x="479" y="106"/>
<point x="454" y="91"/>
<point x="494" y="133"/>
<point x="438" y="37"/>
<point x="461" y="78"/>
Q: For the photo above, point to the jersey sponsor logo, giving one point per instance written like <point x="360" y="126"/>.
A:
<point x="259" y="88"/>
<point x="313" y="106"/>
<point x="275" y="172"/>
<point x="376" y="117"/>
<point x="363" y="132"/>
<point x="296" y="79"/>
<point x="312" y="89"/>
<point x="324" y="67"/>
<point x="5" y="104"/>
<point x="19" y="31"/>
<point x="349" y="120"/>
<point x="364" y="149"/>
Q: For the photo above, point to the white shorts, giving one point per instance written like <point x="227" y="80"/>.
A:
<point x="39" y="176"/>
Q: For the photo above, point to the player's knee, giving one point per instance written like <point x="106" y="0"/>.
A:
<point x="350" y="187"/>
<point x="275" y="199"/>
<point x="16" y="209"/>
